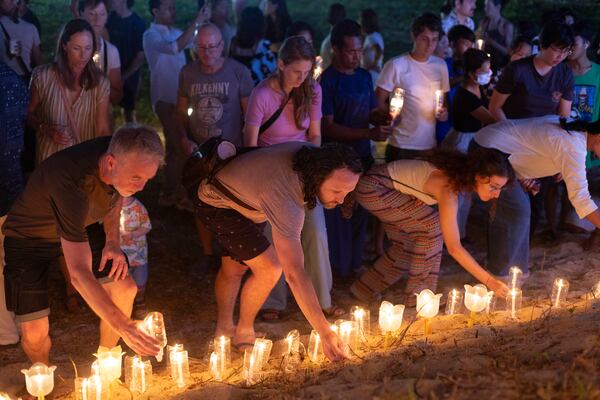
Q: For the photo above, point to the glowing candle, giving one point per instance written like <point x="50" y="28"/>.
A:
<point x="293" y="342"/>
<point x="596" y="291"/>
<point x="109" y="363"/>
<point x="476" y="300"/>
<point x="516" y="277"/>
<point x="4" y="396"/>
<point x="560" y="288"/>
<point x="396" y="103"/>
<point x="490" y="302"/>
<point x="428" y="303"/>
<point x="390" y="317"/>
<point x="513" y="302"/>
<point x="315" y="348"/>
<point x="262" y="352"/>
<point x="190" y="111"/>
<point x="222" y="346"/>
<point x="362" y="317"/>
<point x="318" y="67"/>
<point x="154" y="325"/>
<point x="480" y="44"/>
<point x="348" y="334"/>
<point x="39" y="379"/>
<point x="96" y="59"/>
<point x="180" y="368"/>
<point x="215" y="366"/>
<point x="439" y="101"/>
<point x="138" y="374"/>
<point x="455" y="299"/>
<point x="249" y="367"/>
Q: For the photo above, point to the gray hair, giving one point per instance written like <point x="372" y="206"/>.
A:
<point x="134" y="138"/>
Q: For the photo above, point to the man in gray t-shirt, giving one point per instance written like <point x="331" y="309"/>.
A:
<point x="213" y="93"/>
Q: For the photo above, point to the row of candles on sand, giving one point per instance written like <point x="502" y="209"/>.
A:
<point x="138" y="373"/>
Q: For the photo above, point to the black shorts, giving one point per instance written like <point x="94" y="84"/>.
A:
<point x="130" y="92"/>
<point x="240" y="238"/>
<point x="26" y="272"/>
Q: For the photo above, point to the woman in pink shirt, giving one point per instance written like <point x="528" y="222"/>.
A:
<point x="292" y="87"/>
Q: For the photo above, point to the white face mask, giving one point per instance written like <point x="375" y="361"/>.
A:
<point x="484" y="79"/>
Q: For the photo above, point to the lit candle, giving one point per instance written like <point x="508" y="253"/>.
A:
<point x="390" y="317"/>
<point x="490" y="302"/>
<point x="39" y="379"/>
<point x="215" y="366"/>
<point x="516" y="276"/>
<point x="314" y="346"/>
<point x="513" y="302"/>
<point x="138" y="374"/>
<point x="222" y="346"/>
<point x="154" y="325"/>
<point x="428" y="306"/>
<point x="439" y="101"/>
<point x="190" y="111"/>
<point x="250" y="372"/>
<point x="396" y="103"/>
<point x="180" y="368"/>
<point x="96" y="59"/>
<point x="362" y="317"/>
<point x="455" y="299"/>
<point x="109" y="363"/>
<point x="476" y="300"/>
<point x="318" y="67"/>
<point x="293" y="342"/>
<point x="560" y="288"/>
<point x="348" y="336"/>
<point x="480" y="44"/>
<point x="262" y="352"/>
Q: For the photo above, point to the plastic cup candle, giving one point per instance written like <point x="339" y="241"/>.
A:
<point x="190" y="111"/>
<point x="439" y="101"/>
<point x="251" y="372"/>
<point x="516" y="277"/>
<point x="109" y="363"/>
<point x="560" y="288"/>
<point x="90" y="388"/>
<point x="480" y="44"/>
<point x="292" y="341"/>
<point x="154" y="325"/>
<point x="215" y="366"/>
<point x="222" y="346"/>
<point x="180" y="368"/>
<point x="138" y="374"/>
<point x="39" y="379"/>
<point x="454" y="303"/>
<point x="396" y="103"/>
<point x="362" y="317"/>
<point x="348" y="334"/>
<point x="262" y="352"/>
<point x="490" y="305"/>
<point x="513" y="302"/>
<point x="476" y="299"/>
<point x="428" y="306"/>
<point x="315" y="347"/>
<point x="390" y="317"/>
<point x="96" y="59"/>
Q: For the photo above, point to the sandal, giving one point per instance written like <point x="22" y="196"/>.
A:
<point x="241" y="347"/>
<point x="334" y="311"/>
<point x="269" y="315"/>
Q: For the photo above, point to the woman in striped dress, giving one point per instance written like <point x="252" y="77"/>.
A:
<point x="402" y="194"/>
<point x="70" y="96"/>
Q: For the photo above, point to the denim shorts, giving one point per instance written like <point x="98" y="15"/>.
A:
<point x="27" y="263"/>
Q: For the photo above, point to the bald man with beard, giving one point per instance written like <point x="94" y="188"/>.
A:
<point x="216" y="90"/>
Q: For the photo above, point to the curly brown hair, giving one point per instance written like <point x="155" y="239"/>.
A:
<point x="314" y="164"/>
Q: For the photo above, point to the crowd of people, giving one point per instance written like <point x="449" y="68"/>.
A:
<point x="327" y="164"/>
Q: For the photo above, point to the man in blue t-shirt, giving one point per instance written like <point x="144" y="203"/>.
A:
<point x="126" y="29"/>
<point x="349" y="105"/>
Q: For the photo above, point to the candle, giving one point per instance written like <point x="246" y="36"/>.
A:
<point x="96" y="60"/>
<point x="455" y="299"/>
<point x="215" y="366"/>
<point x="516" y="277"/>
<point x="222" y="346"/>
<point x="428" y="303"/>
<point x="490" y="302"/>
<point x="39" y="379"/>
<point x="90" y="388"/>
<point x="362" y="317"/>
<point x="190" y="111"/>
<point x="154" y="325"/>
<point x="396" y="103"/>
<point x="293" y="342"/>
<point x="390" y="317"/>
<point x="180" y="368"/>
<point x="315" y="348"/>
<point x="560" y="288"/>
<point x="348" y="334"/>
<point x="109" y="363"/>
<point x="251" y="374"/>
<point x="439" y="101"/>
<point x="513" y="302"/>
<point x="476" y="300"/>
<point x="138" y="374"/>
<point x="261" y="352"/>
<point x="596" y="291"/>
<point x="480" y="44"/>
<point x="318" y="67"/>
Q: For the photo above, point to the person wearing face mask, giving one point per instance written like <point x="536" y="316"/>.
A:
<point x="470" y="114"/>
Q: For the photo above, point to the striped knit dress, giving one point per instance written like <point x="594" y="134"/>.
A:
<point x="413" y="228"/>
<point x="52" y="108"/>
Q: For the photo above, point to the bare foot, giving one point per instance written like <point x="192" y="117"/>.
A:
<point x="243" y="340"/>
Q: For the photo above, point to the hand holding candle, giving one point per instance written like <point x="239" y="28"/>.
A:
<point x="396" y="104"/>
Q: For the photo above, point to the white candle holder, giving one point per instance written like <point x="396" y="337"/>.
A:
<point x="476" y="300"/>
<point x="315" y="347"/>
<point x="560" y="289"/>
<point x="39" y="379"/>
<point x="428" y="306"/>
<point x="222" y="346"/>
<point x="180" y="368"/>
<point x="154" y="324"/>
<point x="514" y="301"/>
<point x="454" y="302"/>
<point x="390" y="317"/>
<point x="480" y="44"/>
<point x="362" y="317"/>
<point x="138" y="374"/>
<point x="109" y="363"/>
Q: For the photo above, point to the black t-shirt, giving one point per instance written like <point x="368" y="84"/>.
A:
<point x="63" y="196"/>
<point x="126" y="34"/>
<point x="533" y="95"/>
<point x="463" y="105"/>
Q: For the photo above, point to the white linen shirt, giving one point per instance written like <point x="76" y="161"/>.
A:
<point x="164" y="60"/>
<point x="538" y="148"/>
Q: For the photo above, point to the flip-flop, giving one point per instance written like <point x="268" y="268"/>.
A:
<point x="242" y="346"/>
<point x="334" y="311"/>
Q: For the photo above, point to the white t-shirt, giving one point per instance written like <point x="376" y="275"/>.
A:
<point x="107" y="51"/>
<point x="24" y="32"/>
<point x="539" y="147"/>
<point x="326" y="52"/>
<point x="410" y="176"/>
<point x="420" y="80"/>
<point x="165" y="61"/>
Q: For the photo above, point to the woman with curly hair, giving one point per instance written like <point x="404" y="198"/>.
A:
<point x="401" y="194"/>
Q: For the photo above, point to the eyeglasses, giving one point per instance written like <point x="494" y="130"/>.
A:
<point x="210" y="47"/>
